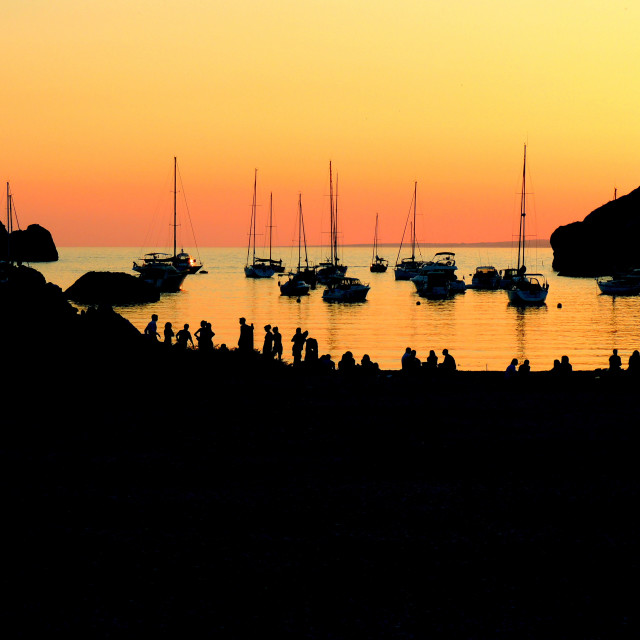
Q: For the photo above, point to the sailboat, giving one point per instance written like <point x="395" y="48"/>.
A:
<point x="166" y="271"/>
<point x="276" y="265"/>
<point x="532" y="288"/>
<point x="378" y="264"/>
<point x="304" y="278"/>
<point x="408" y="268"/>
<point x="332" y="268"/>
<point x="257" y="267"/>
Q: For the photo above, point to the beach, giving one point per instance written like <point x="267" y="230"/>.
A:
<point x="161" y="495"/>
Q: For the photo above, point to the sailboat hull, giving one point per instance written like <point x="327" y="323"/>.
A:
<point x="524" y="297"/>
<point x="258" y="271"/>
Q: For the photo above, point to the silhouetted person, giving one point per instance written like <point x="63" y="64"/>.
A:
<point x="299" y="338"/>
<point x="405" y="361"/>
<point x="414" y="362"/>
<point x="183" y="337"/>
<point x="432" y="361"/>
<point x="524" y="368"/>
<point x="367" y="366"/>
<point x="204" y="336"/>
<point x="245" y="342"/>
<point x="557" y="369"/>
<point x="634" y="363"/>
<point x="168" y="334"/>
<point x="326" y="363"/>
<point x="151" y="330"/>
<point x="615" y="363"/>
<point x="347" y="363"/>
<point x="277" y="343"/>
<point x="565" y="366"/>
<point x="511" y="369"/>
<point x="448" y="363"/>
<point x="311" y="351"/>
<point x="267" y="345"/>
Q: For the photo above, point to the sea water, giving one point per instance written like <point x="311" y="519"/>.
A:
<point x="480" y="328"/>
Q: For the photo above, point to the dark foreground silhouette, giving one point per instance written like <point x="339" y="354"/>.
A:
<point x="151" y="491"/>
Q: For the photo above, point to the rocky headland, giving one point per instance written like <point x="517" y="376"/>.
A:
<point x="606" y="242"/>
<point x="33" y="244"/>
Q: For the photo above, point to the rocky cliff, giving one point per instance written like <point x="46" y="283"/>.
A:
<point x="605" y="242"/>
<point x="33" y="244"/>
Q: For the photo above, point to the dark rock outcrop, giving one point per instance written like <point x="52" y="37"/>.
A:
<point x="605" y="242"/>
<point x="105" y="287"/>
<point x="34" y="244"/>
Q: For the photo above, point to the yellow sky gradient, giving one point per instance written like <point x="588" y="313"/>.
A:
<point x="99" y="96"/>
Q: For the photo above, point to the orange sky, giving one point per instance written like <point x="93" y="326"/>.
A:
<point x="99" y="96"/>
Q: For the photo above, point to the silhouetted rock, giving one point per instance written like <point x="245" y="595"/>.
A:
<point x="35" y="244"/>
<point x="605" y="242"/>
<point x="105" y="287"/>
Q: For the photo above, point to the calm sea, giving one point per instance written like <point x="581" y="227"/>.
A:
<point x="479" y="328"/>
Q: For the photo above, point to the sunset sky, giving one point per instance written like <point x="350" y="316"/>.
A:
<point x="99" y="96"/>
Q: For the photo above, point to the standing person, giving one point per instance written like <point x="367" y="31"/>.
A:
<point x="168" y="334"/>
<point x="299" y="338"/>
<point x="183" y="338"/>
<point x="277" y="343"/>
<point x="245" y="342"/>
<point x="615" y="362"/>
<point x="204" y="336"/>
<point x="311" y="351"/>
<point x="267" y="345"/>
<point x="151" y="329"/>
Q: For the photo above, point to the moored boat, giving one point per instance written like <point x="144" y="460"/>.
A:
<point x="304" y="278"/>
<point x="256" y="267"/>
<point x="434" y="285"/>
<point x="526" y="289"/>
<point x="623" y="284"/>
<point x="345" y="289"/>
<point x="485" y="278"/>
<point x="331" y="268"/>
<point x="166" y="271"/>
<point x="378" y="264"/>
<point x="407" y="268"/>
<point x="442" y="265"/>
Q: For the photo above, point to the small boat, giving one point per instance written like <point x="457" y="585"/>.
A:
<point x="304" y="278"/>
<point x="166" y="271"/>
<point x="331" y="268"/>
<point x="435" y="285"/>
<point x="485" y="278"/>
<point x="507" y="277"/>
<point x="623" y="284"/>
<point x="526" y="289"/>
<point x="378" y="264"/>
<point x="344" y="289"/>
<point x="444" y="262"/>
<point x="256" y="267"/>
<point x="408" y="268"/>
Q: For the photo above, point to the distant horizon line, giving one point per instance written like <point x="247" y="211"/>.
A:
<point x="499" y="243"/>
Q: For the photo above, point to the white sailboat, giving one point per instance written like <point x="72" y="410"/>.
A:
<point x="532" y="288"/>
<point x="256" y="267"/>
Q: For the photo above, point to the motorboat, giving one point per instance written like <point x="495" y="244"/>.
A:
<point x="434" y="285"/>
<point x="485" y="278"/>
<point x="442" y="265"/>
<point x="345" y="289"/>
<point x="623" y="284"/>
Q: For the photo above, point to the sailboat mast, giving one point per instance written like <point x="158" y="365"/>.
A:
<point x="335" y="227"/>
<point x="270" y="224"/>
<point x="9" y="224"/>
<point x="252" y="225"/>
<point x="299" y="228"/>
<point x="331" y="214"/>
<point x="175" y="205"/>
<point x="521" y="235"/>
<point x="413" y="230"/>
<point x="375" y="240"/>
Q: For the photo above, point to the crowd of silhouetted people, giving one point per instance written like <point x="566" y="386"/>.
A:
<point x="305" y="354"/>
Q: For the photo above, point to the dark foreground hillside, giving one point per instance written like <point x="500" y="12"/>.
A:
<point x="171" y="496"/>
